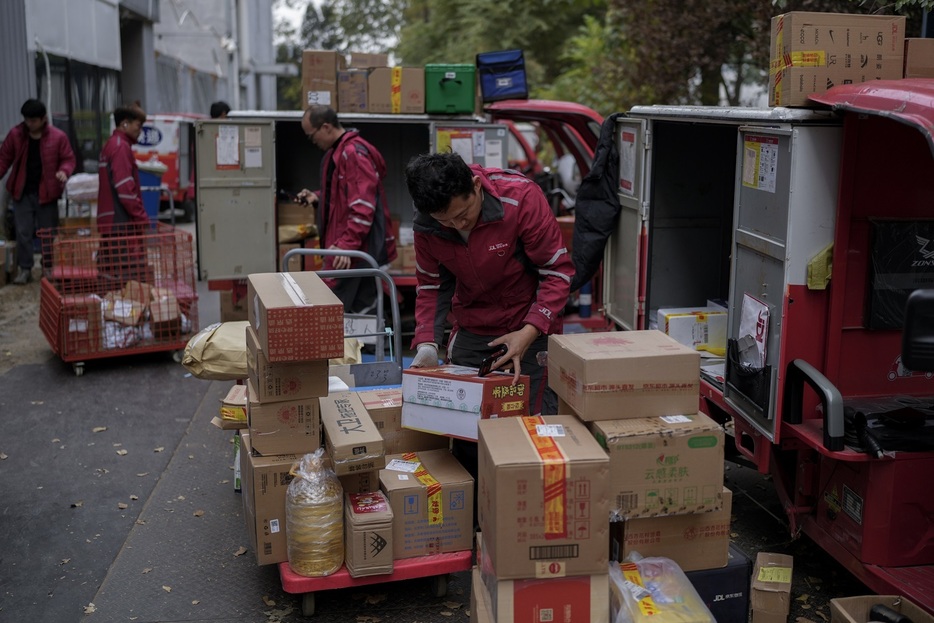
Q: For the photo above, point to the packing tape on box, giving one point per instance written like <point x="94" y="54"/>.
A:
<point x="433" y="493"/>
<point x="395" y="90"/>
<point x="293" y="290"/>
<point x="554" y="472"/>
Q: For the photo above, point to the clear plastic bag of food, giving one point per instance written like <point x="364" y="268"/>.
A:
<point x="655" y="590"/>
<point x="314" y="518"/>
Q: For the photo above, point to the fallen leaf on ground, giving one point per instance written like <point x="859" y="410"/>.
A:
<point x="803" y="620"/>
<point x="198" y="513"/>
<point x="38" y="402"/>
<point x="446" y="613"/>
<point x="365" y="618"/>
<point x="3" y="456"/>
<point x="147" y="570"/>
<point x="77" y="504"/>
<point x="241" y="551"/>
<point x="122" y="505"/>
<point x="453" y="605"/>
<point x="375" y="599"/>
<point x="159" y="449"/>
<point x="269" y="602"/>
<point x="167" y="589"/>
<point x="64" y="561"/>
<point x="122" y="452"/>
<point x="143" y="474"/>
<point x="90" y="608"/>
<point x="821" y="615"/>
<point x="56" y="440"/>
<point x="195" y="602"/>
<point x="134" y="497"/>
<point x="802" y="597"/>
<point x="181" y="497"/>
<point x="98" y="429"/>
<point x="191" y="457"/>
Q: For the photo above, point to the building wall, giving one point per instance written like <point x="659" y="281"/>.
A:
<point x="83" y="30"/>
<point x="19" y="74"/>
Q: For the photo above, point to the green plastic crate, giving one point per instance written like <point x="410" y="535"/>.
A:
<point x="450" y="89"/>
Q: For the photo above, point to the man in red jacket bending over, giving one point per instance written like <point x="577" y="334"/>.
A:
<point x="41" y="159"/>
<point x="352" y="213"/>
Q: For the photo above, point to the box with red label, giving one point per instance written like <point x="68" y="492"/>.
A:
<point x="286" y="427"/>
<point x="296" y="316"/>
<point x="572" y="598"/>
<point x="543" y="497"/>
<point x="449" y="400"/>
<point x="431" y="496"/>
<point x="385" y="408"/>
<point x="623" y="374"/>
<point x="283" y="381"/>
<point x="367" y="534"/>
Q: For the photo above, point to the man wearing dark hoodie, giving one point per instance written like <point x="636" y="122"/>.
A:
<point x="352" y="212"/>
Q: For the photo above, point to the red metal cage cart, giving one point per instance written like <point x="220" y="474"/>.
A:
<point x="129" y="292"/>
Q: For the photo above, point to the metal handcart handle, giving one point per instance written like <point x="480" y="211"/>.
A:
<point x="379" y="372"/>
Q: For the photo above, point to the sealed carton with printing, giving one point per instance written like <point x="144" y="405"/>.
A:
<point x="397" y="90"/>
<point x="296" y="316"/>
<point x="286" y="427"/>
<point x="367" y="534"/>
<point x="543" y="497"/>
<point x="352" y="441"/>
<point x="432" y="499"/>
<point x="623" y="374"/>
<point x="385" y="408"/>
<point x="663" y="465"/>
<point x="770" y="594"/>
<point x="265" y="480"/>
<point x="319" y="77"/>
<point x="275" y="382"/>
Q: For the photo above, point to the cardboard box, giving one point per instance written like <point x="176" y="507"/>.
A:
<point x="352" y="90"/>
<point x="725" y="591"/>
<point x="919" y="58"/>
<point x="663" y="465"/>
<point x="121" y="310"/>
<point x="363" y="60"/>
<point x="231" y="311"/>
<point x="543" y="497"/>
<point x="351" y="438"/>
<point x="480" y="609"/>
<point x="812" y="52"/>
<point x="397" y="90"/>
<point x="449" y="399"/>
<point x="700" y="328"/>
<point x="285" y="427"/>
<point x="292" y="213"/>
<point x="573" y="598"/>
<point x="234" y="406"/>
<point x="274" y="382"/>
<point x="360" y="482"/>
<point x="367" y="534"/>
<point x="165" y="317"/>
<point x="265" y="480"/>
<point x="385" y="409"/>
<point x="770" y="594"/>
<point x="82" y="324"/>
<point x="693" y="540"/>
<point x="432" y="498"/>
<point x="856" y="609"/>
<point x="295" y="316"/>
<point x="623" y="374"/>
<point x="319" y="77"/>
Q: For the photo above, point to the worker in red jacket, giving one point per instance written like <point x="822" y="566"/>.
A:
<point x="488" y="250"/>
<point x="121" y="216"/>
<point x="352" y="213"/>
<point x="41" y="160"/>
<point x="119" y="200"/>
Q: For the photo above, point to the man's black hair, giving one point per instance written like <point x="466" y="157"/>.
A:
<point x="219" y="108"/>
<point x="129" y="112"/>
<point x="435" y="179"/>
<point x="319" y="115"/>
<point x="33" y="109"/>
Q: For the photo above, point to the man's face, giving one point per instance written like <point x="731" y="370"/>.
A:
<point x="133" y="128"/>
<point x="34" y="124"/>
<point x="462" y="213"/>
<point x="320" y="136"/>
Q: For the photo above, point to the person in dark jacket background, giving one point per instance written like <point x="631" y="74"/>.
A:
<point x="40" y="159"/>
<point x="352" y="213"/>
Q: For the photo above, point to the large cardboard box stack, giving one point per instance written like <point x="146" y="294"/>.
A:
<point x="770" y="595"/>
<point x="543" y="497"/>
<point x="812" y="52"/>
<point x="450" y="400"/>
<point x="432" y="498"/>
<point x="319" y="77"/>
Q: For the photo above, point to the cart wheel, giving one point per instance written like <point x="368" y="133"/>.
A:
<point x="78" y="368"/>
<point x="439" y="585"/>
<point x="177" y="356"/>
<point x="308" y="604"/>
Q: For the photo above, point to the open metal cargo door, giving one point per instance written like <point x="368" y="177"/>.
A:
<point x="236" y="197"/>
<point x="483" y="144"/>
<point x="623" y="279"/>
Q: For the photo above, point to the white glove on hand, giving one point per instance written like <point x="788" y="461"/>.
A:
<point x="426" y="357"/>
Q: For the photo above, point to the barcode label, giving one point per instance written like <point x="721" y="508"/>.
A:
<point x="267" y="548"/>
<point x="273" y="526"/>
<point x="554" y="552"/>
<point x="625" y="501"/>
<point x="546" y="615"/>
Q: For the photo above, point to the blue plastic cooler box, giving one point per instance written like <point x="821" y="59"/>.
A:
<point x="502" y="75"/>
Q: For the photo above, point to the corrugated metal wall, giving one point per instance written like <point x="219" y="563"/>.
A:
<point x="19" y="69"/>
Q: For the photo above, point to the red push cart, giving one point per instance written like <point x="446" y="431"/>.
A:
<point x="437" y="566"/>
<point x="129" y="292"/>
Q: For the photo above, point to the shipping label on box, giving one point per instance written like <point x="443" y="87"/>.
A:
<point x="353" y="442"/>
<point x="623" y="374"/>
<point x="367" y="534"/>
<point x="265" y="480"/>
<point x="432" y="498"/>
<point x="285" y="427"/>
<point x="283" y="381"/>
<point x="812" y="52"/>
<point x="663" y="465"/>
<point x="770" y="594"/>
<point x="459" y="388"/>
<point x="543" y="497"/>
<point x="296" y="316"/>
<point x="693" y="540"/>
